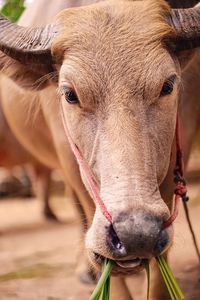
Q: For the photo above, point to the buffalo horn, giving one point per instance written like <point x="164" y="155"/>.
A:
<point x="182" y="3"/>
<point x="186" y="23"/>
<point x="27" y="45"/>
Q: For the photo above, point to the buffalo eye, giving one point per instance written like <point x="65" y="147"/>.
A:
<point x="71" y="97"/>
<point x="168" y="86"/>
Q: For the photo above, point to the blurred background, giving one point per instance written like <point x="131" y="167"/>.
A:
<point x="18" y="171"/>
<point x="13" y="8"/>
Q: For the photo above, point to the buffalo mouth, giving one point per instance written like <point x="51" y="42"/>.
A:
<point x="129" y="264"/>
<point x="120" y="267"/>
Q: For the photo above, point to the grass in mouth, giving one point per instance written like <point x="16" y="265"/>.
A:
<point x="103" y="286"/>
<point x="170" y="281"/>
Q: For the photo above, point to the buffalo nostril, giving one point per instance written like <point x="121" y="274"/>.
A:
<point x="161" y="242"/>
<point x="113" y="240"/>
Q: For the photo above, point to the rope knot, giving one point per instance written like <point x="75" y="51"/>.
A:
<point x="180" y="189"/>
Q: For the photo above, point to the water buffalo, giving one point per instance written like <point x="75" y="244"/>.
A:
<point x="12" y="154"/>
<point x="117" y="69"/>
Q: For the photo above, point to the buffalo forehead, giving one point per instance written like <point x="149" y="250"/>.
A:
<point x="115" y="40"/>
<point x="117" y="27"/>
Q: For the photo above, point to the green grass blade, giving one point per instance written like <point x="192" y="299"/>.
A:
<point x="106" y="287"/>
<point x="167" y="281"/>
<point x="175" y="283"/>
<point x="170" y="281"/>
<point x="146" y="265"/>
<point x="106" y="290"/>
<point x="104" y="276"/>
<point x="103" y="286"/>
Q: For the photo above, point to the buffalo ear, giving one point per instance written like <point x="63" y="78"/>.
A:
<point x="185" y="57"/>
<point x="28" y="76"/>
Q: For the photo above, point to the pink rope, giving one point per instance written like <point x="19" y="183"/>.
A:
<point x="180" y="189"/>
<point x="174" y="215"/>
<point x="86" y="170"/>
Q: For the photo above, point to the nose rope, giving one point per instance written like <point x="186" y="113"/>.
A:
<point x="85" y="169"/>
<point x="180" y="191"/>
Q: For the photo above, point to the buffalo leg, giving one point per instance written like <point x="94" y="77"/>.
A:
<point x="41" y="178"/>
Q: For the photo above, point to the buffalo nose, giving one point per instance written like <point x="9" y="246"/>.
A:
<point x="161" y="243"/>
<point x="136" y="235"/>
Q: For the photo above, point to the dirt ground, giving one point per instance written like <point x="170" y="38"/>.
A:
<point x="38" y="259"/>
